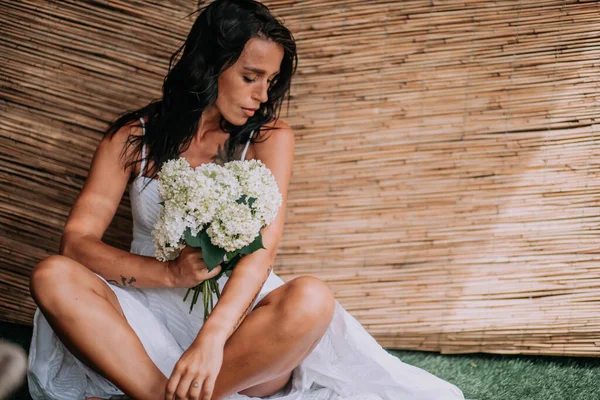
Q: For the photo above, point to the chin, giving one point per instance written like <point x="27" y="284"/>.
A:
<point x="237" y="121"/>
<point x="241" y="122"/>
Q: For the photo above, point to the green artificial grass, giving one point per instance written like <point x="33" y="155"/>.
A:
<point x="479" y="376"/>
<point x="513" y="377"/>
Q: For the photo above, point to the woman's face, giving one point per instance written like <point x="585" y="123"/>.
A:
<point x="243" y="86"/>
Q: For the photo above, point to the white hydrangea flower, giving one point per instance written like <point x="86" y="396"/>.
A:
<point x="234" y="227"/>
<point x="256" y="180"/>
<point x="227" y="187"/>
<point x="168" y="232"/>
<point x="207" y="196"/>
<point x="187" y="203"/>
<point x="173" y="178"/>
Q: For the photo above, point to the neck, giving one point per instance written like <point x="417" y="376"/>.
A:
<point x="209" y="122"/>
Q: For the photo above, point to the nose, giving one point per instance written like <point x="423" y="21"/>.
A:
<point x="261" y="93"/>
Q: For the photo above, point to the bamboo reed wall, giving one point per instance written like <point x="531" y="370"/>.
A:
<point x="445" y="180"/>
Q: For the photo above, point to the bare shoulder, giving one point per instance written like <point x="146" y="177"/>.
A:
<point x="276" y="137"/>
<point x="277" y="126"/>
<point x="275" y="148"/>
<point x="120" y="139"/>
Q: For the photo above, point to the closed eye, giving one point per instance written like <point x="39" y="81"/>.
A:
<point x="248" y="80"/>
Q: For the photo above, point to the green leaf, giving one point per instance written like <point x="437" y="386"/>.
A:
<point x="212" y="255"/>
<point x="252" y="247"/>
<point x="190" y="239"/>
<point x="232" y="263"/>
<point x="230" y="255"/>
<point x="246" y="200"/>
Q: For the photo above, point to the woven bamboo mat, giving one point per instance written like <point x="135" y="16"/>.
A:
<point x="445" y="179"/>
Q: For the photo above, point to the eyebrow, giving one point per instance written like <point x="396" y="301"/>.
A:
<point x="259" y="71"/>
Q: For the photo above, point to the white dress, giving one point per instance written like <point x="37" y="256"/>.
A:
<point x="347" y="364"/>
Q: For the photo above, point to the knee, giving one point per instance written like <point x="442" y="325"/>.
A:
<point x="47" y="275"/>
<point x="308" y="303"/>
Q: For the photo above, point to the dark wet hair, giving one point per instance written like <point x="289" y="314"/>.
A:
<point x="213" y="44"/>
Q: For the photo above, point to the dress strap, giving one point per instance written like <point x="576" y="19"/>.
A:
<point x="143" y="163"/>
<point x="246" y="146"/>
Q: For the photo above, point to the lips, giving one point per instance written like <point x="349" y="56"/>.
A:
<point x="249" y="111"/>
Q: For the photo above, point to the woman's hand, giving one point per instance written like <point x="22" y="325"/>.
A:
<point x="196" y="372"/>
<point x="188" y="270"/>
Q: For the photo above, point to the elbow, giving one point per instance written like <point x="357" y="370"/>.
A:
<point x="65" y="246"/>
<point x="69" y="242"/>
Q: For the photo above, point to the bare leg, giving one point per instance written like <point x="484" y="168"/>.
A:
<point x="275" y="385"/>
<point x="274" y="338"/>
<point x="77" y="303"/>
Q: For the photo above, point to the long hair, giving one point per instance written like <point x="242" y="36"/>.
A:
<point x="214" y="43"/>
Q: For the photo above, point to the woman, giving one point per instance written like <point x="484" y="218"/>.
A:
<point x="112" y="322"/>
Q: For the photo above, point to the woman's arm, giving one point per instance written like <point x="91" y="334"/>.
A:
<point x="92" y="213"/>
<point x="117" y="266"/>
<point x="251" y="272"/>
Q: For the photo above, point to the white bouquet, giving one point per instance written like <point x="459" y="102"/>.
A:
<point x="220" y="209"/>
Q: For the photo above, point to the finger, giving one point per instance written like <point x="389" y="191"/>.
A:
<point x="214" y="272"/>
<point x="192" y="250"/>
<point x="207" y="388"/>
<point x="172" y="385"/>
<point x="195" y="388"/>
<point x="195" y="250"/>
<point x="184" y="386"/>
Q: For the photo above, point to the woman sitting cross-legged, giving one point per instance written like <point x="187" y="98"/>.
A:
<point x="113" y="323"/>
